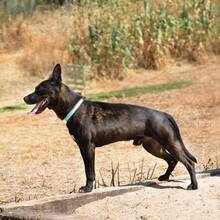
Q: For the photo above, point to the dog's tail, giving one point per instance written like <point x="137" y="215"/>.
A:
<point x="177" y="131"/>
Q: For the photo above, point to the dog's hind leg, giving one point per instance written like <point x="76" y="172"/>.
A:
<point x="176" y="147"/>
<point x="167" y="133"/>
<point x="153" y="147"/>
<point x="178" y="152"/>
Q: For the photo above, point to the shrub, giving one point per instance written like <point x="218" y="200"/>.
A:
<point x="123" y="34"/>
<point x="113" y="36"/>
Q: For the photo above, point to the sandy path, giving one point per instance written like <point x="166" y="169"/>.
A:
<point x="160" y="201"/>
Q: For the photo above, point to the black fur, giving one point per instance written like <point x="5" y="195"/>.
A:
<point x="98" y="123"/>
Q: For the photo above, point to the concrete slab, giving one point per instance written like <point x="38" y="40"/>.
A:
<point x="59" y="207"/>
<point x="63" y="206"/>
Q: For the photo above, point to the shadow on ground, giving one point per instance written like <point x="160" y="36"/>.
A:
<point x="159" y="185"/>
<point x="212" y="172"/>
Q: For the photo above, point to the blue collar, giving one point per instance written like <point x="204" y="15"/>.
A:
<point x="73" y="110"/>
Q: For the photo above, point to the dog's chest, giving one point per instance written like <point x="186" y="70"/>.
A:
<point x="73" y="137"/>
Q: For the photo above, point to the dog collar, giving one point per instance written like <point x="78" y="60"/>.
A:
<point x="73" y="110"/>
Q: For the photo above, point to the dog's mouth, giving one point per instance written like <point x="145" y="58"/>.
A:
<point x="40" y="106"/>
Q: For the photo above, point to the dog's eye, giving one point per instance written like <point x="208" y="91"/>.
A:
<point x="40" y="92"/>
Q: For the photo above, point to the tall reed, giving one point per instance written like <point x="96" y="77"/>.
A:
<point x="124" y="34"/>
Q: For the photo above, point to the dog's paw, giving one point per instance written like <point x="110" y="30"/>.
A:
<point x="163" y="178"/>
<point x="85" y="189"/>
<point x="192" y="186"/>
<point x="137" y="142"/>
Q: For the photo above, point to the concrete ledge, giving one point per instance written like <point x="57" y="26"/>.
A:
<point x="59" y="207"/>
<point x="201" y="174"/>
<point x="63" y="206"/>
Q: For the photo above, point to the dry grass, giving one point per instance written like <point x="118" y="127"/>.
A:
<point x="114" y="36"/>
<point x="124" y="34"/>
<point x="15" y="34"/>
<point x="43" y="42"/>
<point x="48" y="44"/>
<point x="41" y="54"/>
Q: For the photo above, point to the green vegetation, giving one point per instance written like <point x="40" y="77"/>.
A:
<point x="109" y="37"/>
<point x="117" y="94"/>
<point x="113" y="36"/>
<point x="139" y="90"/>
<point x="13" y="108"/>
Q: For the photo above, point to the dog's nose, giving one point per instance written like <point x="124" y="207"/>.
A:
<point x="25" y="99"/>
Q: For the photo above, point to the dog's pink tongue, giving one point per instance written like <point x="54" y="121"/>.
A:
<point x="36" y="107"/>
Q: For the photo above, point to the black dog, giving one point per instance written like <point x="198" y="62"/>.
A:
<point x="94" y="124"/>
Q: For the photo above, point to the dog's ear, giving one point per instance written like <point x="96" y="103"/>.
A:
<point x="56" y="75"/>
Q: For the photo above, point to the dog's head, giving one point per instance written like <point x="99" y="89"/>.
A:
<point x="46" y="93"/>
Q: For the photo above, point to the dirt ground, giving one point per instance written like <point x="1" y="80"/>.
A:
<point x="164" y="201"/>
<point x="38" y="158"/>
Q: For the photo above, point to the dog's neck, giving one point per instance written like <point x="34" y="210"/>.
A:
<point x="66" y="101"/>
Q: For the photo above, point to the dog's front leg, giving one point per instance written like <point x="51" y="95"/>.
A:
<point x="88" y="155"/>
